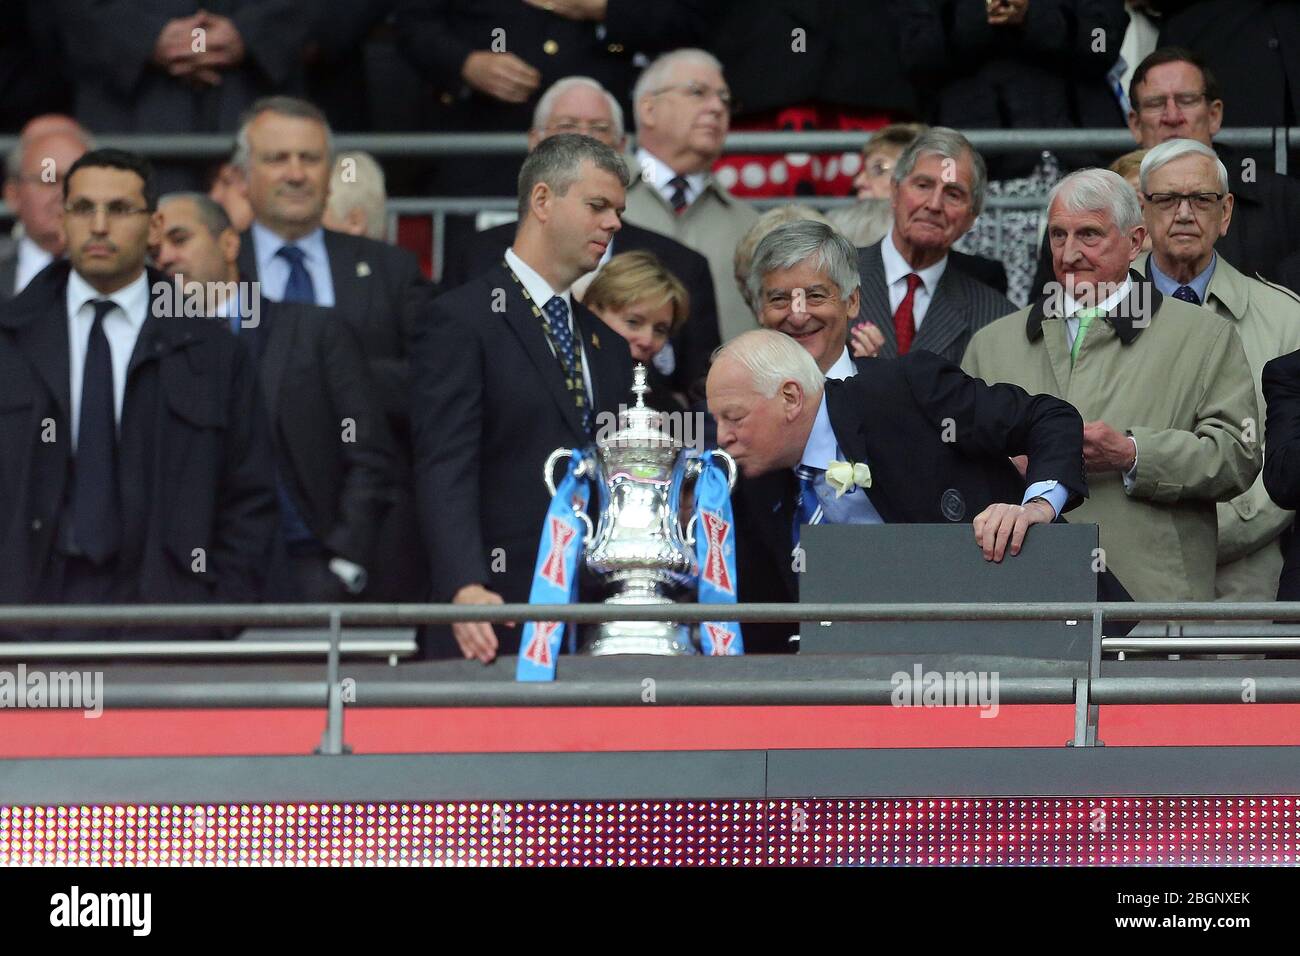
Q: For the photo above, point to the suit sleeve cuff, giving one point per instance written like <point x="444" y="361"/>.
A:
<point x="1130" y="476"/>
<point x="1053" y="492"/>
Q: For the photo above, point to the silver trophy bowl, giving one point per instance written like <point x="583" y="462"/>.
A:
<point x="640" y="549"/>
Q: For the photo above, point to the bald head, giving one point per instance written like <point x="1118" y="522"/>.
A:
<point x="764" y="390"/>
<point x="34" y="181"/>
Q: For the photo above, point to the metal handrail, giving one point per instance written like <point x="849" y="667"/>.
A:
<point x="426" y="145"/>
<point x="395" y="615"/>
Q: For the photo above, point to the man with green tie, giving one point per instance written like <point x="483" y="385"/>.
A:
<point x="1171" y="424"/>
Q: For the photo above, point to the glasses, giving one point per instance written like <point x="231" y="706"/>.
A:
<point x="117" y="210"/>
<point x="1156" y="104"/>
<point x="1201" y="202"/>
<point x="595" y="130"/>
<point x="698" y="91"/>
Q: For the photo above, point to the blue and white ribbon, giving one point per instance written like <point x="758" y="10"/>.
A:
<point x="715" y="550"/>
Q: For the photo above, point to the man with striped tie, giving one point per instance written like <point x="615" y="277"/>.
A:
<point x="509" y="367"/>
<point x="913" y="440"/>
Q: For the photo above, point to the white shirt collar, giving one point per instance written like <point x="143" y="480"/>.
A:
<point x="843" y="367"/>
<point x="31" y="260"/>
<point x="1115" y="298"/>
<point x="539" y="290"/>
<point x="896" y="267"/>
<point x="822" y="447"/>
<point x="266" y="243"/>
<point x="132" y="300"/>
<point x="661" y="174"/>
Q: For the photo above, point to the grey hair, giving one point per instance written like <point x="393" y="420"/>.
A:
<point x="366" y="192"/>
<point x="772" y="359"/>
<point x="1099" y="190"/>
<point x="865" y="223"/>
<point x="14" y="158"/>
<point x="557" y="160"/>
<point x="659" y="73"/>
<point x="795" y="242"/>
<point x="284" y="106"/>
<point x="1172" y="149"/>
<point x="546" y="105"/>
<point x="214" y="217"/>
<point x="949" y="144"/>
<point x="744" y="254"/>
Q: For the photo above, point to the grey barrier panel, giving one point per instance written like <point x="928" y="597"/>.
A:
<point x="894" y="563"/>
<point x="719" y="775"/>
<point x="1033" y="772"/>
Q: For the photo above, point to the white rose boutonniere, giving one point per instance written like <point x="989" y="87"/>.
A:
<point x="847" y="476"/>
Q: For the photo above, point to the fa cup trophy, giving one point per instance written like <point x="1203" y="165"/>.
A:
<point x="640" y="549"/>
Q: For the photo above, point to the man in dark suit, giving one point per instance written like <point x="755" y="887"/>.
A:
<point x="137" y="68"/>
<point x="577" y="104"/>
<point x="284" y="148"/>
<point x="334" y="455"/>
<point x="507" y="369"/>
<point x="912" y="440"/>
<point x="136" y="467"/>
<point x="488" y="60"/>
<point x="1281" y="384"/>
<point x="910" y="298"/>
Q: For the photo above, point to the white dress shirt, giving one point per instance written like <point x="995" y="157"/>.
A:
<point x="273" y="270"/>
<point x="121" y="327"/>
<point x="660" y="174"/>
<point x="843" y="367"/>
<point x="540" y="291"/>
<point x="31" y="260"/>
<point x="897" y="270"/>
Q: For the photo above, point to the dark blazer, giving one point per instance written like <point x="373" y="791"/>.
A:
<point x="380" y="291"/>
<point x="892" y="415"/>
<point x="1281" y="382"/>
<point x="693" y="345"/>
<point x="849" y="56"/>
<point x="195" y="457"/>
<point x="313" y="378"/>
<point x="489" y="405"/>
<point x="436" y="36"/>
<point x="989" y="271"/>
<point x="961" y="306"/>
<point x="117" y="87"/>
<point x="8" y="274"/>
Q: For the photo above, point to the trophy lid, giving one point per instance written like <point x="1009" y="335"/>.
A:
<point x="639" y="426"/>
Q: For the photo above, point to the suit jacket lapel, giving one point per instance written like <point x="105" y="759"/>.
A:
<point x="277" y="333"/>
<point x="8" y="276"/>
<point x="845" y="403"/>
<point x="946" y="318"/>
<point x="527" y="327"/>
<point x="875" y="297"/>
<point x="46" y="344"/>
<point x="350" y="291"/>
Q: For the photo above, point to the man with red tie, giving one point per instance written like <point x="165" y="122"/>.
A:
<point x="910" y="299"/>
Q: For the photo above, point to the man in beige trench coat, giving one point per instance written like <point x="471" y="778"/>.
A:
<point x="1171" y="425"/>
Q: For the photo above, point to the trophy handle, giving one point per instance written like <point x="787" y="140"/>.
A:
<point x="548" y="476"/>
<point x="548" y="469"/>
<point x="693" y="470"/>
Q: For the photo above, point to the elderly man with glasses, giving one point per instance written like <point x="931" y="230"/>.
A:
<point x="683" y="112"/>
<point x="1187" y="208"/>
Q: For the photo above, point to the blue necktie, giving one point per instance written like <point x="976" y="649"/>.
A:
<point x="1187" y="294"/>
<point x="566" y="350"/>
<point x="299" y="288"/>
<point x="96" y="523"/>
<point x="807" y="509"/>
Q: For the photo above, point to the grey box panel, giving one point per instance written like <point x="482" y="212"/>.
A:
<point x="930" y="563"/>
